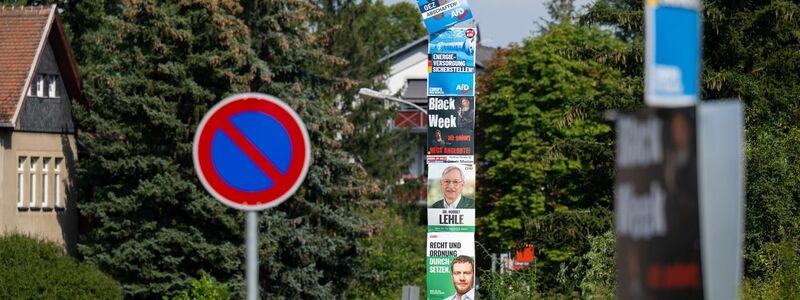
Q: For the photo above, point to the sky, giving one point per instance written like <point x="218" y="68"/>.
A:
<point x="504" y="21"/>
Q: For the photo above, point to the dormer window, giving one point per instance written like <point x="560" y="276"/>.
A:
<point x="44" y="86"/>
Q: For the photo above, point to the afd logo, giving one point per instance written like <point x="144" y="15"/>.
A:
<point x="459" y="13"/>
<point x="464" y="88"/>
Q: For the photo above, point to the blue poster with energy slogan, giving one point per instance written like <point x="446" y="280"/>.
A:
<point x="672" y="56"/>
<point x="441" y="14"/>
<point x="451" y="62"/>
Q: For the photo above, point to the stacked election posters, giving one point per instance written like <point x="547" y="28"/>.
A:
<point x="656" y="210"/>
<point x="450" y="158"/>
<point x="442" y="14"/>
<point x="450" y="151"/>
<point x="451" y="101"/>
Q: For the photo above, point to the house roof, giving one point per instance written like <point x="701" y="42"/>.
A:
<point x="24" y="32"/>
<point x="482" y="53"/>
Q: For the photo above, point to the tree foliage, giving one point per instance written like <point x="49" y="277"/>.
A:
<point x="204" y="288"/>
<point x="751" y="51"/>
<point x="546" y="153"/>
<point x="151" y="70"/>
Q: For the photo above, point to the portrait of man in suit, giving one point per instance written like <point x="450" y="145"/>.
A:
<point x="452" y="185"/>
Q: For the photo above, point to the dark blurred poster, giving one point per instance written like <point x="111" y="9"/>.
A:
<point x="656" y="205"/>
<point x="451" y="122"/>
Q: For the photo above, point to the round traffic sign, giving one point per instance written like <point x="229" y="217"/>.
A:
<point x="251" y="151"/>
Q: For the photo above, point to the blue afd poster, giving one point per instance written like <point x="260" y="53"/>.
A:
<point x="673" y="45"/>
<point x="441" y="14"/>
<point x="451" y="62"/>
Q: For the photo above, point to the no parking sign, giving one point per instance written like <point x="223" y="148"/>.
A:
<point x="251" y="151"/>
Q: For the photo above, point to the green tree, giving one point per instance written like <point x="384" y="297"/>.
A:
<point x="151" y="71"/>
<point x="750" y="51"/>
<point x="546" y="152"/>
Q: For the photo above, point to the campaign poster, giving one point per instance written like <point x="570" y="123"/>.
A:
<point x="450" y="264"/>
<point x="441" y="14"/>
<point x="451" y="126"/>
<point x="673" y="47"/>
<point x="451" y="62"/>
<point x="451" y="198"/>
<point x="656" y="210"/>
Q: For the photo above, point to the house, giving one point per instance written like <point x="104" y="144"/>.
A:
<point x="39" y="79"/>
<point x="408" y="73"/>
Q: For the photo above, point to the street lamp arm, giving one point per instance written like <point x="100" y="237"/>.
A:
<point x="378" y="95"/>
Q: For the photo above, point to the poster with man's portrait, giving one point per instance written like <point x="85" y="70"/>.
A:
<point x="451" y="197"/>
<point x="450" y="265"/>
<point x="656" y="211"/>
<point x="451" y="126"/>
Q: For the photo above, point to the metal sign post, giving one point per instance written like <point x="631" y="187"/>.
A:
<point x="251" y="152"/>
<point x="251" y="256"/>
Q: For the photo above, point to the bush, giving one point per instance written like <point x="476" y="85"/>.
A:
<point x="393" y="256"/>
<point x="204" y="288"/>
<point x="599" y="281"/>
<point x="782" y="279"/>
<point x="510" y="286"/>
<point x="36" y="269"/>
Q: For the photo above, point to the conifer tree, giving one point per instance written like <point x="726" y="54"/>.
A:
<point x="152" y="70"/>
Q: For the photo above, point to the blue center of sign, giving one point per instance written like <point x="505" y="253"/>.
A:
<point x="235" y="167"/>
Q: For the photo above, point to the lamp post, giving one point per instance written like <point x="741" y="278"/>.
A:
<point x="378" y="95"/>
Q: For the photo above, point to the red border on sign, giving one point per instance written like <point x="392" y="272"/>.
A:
<point x="218" y="118"/>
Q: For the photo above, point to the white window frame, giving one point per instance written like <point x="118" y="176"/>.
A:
<point x="21" y="181"/>
<point x="45" y="181"/>
<point x="33" y="181"/>
<point x="57" y="181"/>
<point x="40" y="85"/>
<point x="52" y="86"/>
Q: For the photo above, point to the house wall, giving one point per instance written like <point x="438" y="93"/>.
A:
<point x="44" y="114"/>
<point x="413" y="64"/>
<point x="51" y="222"/>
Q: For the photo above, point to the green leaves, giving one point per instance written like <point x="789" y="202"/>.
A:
<point x="547" y="155"/>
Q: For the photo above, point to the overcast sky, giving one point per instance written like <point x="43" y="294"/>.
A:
<point x="506" y="21"/>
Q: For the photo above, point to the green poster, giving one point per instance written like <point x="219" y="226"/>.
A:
<point x="450" y="265"/>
